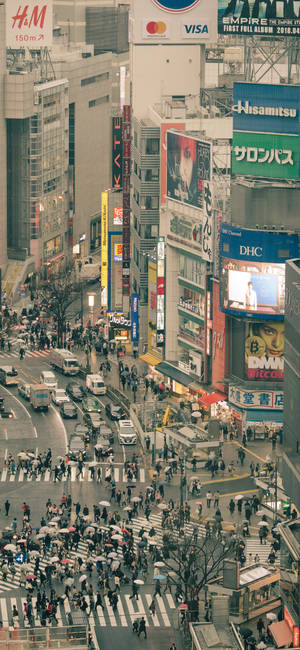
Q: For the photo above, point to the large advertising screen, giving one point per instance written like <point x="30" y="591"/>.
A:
<point x="264" y="350"/>
<point x="265" y="18"/>
<point x="174" y="21"/>
<point x="189" y="167"/>
<point x="252" y="271"/>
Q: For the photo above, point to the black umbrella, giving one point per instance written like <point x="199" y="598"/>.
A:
<point x="131" y="486"/>
<point x="245" y="632"/>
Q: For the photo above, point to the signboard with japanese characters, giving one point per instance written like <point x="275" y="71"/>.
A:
<point x="265" y="154"/>
<point x="256" y="399"/>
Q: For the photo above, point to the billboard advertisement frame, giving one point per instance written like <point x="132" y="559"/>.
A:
<point x="104" y="245"/>
<point x="264" y="351"/>
<point x="266" y="108"/>
<point x="29" y="23"/>
<point x="134" y="318"/>
<point x="114" y="272"/>
<point x="252" y="271"/>
<point x="117" y="154"/>
<point x="173" y="22"/>
<point x="267" y="155"/>
<point x="233" y="19"/>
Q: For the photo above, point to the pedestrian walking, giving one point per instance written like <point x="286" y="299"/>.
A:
<point x="142" y="627"/>
<point x="216" y="499"/>
<point x="152" y="607"/>
<point x="7" y="507"/>
<point x="208" y="498"/>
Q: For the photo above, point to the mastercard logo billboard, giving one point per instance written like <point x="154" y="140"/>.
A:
<point x="176" y="6"/>
<point x="154" y="28"/>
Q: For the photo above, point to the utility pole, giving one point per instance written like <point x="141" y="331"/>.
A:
<point x="81" y="303"/>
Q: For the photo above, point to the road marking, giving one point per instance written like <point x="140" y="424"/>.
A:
<point x="122" y="613"/>
<point x="248" y="451"/>
<point x="153" y="616"/>
<point x="12" y="478"/>
<point x="225" y="479"/>
<point x="100" y="616"/>
<point x="4" y="612"/>
<point x="35" y="432"/>
<point x="110" y="612"/>
<point x="6" y="454"/>
<point x="5" y="434"/>
<point x="132" y="613"/>
<point x="162" y="608"/>
<point x="47" y="475"/>
<point x="4" y="475"/>
<point x="231" y="494"/>
<point x="21" y="475"/>
<point x="37" y="621"/>
<point x="14" y="603"/>
<point x="141" y="609"/>
<point x="170" y="600"/>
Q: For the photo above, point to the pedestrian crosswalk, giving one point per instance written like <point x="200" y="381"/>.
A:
<point x="254" y="547"/>
<point x="14" y="354"/>
<point x="123" y="615"/>
<point x="119" y="475"/>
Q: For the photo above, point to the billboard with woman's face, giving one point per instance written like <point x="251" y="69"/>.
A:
<point x="188" y="167"/>
<point x="264" y="350"/>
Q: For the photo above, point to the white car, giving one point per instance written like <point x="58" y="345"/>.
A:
<point x="59" y="396"/>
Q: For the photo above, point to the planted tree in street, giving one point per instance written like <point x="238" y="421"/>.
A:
<point x="57" y="294"/>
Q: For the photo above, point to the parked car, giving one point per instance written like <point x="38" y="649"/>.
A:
<point x="59" y="396"/>
<point x="75" y="391"/>
<point x="93" y="421"/>
<point x="24" y="391"/>
<point x="114" y="412"/>
<point x="91" y="405"/>
<point x="76" y="448"/>
<point x="106" y="432"/>
<point x="68" y="410"/>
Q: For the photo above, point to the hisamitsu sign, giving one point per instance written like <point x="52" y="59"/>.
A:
<point x="266" y="108"/>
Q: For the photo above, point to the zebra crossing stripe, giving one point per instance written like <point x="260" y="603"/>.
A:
<point x="153" y="616"/>
<point x="163" y="610"/>
<point x="20" y="476"/>
<point x="4" y="612"/>
<point x="110" y="612"/>
<point x="121" y="613"/>
<point x="170" y="600"/>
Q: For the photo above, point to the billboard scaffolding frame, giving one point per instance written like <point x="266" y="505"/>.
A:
<point x="272" y="52"/>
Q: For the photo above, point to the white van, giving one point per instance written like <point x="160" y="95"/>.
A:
<point x="127" y="433"/>
<point x="48" y="378"/>
<point x="95" y="384"/>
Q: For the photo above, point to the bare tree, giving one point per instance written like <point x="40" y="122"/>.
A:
<point x="192" y="561"/>
<point x="58" y="293"/>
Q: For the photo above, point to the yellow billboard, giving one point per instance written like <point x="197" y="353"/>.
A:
<point x="104" y="240"/>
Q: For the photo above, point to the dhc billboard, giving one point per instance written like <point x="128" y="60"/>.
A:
<point x="266" y="108"/>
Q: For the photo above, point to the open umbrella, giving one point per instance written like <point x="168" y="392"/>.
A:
<point x="135" y="499"/>
<point x="259" y="513"/>
<point x="65" y="560"/>
<point x="93" y="463"/>
<point x="263" y="524"/>
<point x="113" y="555"/>
<point x="261" y="646"/>
<point x="100" y="558"/>
<point x="172" y="574"/>
<point x="117" y="537"/>
<point x="139" y="582"/>
<point x="271" y="616"/>
<point x="10" y="547"/>
<point x="54" y="559"/>
<point x="34" y="554"/>
<point x="238" y="497"/>
<point x="23" y="455"/>
<point x="159" y="577"/>
<point x="159" y="564"/>
<point x="69" y="582"/>
<point x="128" y="508"/>
<point x="55" y="519"/>
<point x="82" y="578"/>
<point x="71" y="529"/>
<point x="30" y="576"/>
<point x="21" y="541"/>
<point x="64" y="530"/>
<point x="104" y="503"/>
<point x="163" y="506"/>
<point x="116" y="527"/>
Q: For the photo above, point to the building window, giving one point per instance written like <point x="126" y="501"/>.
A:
<point x="92" y="80"/>
<point x="152" y="175"/>
<point x="152" y="146"/>
<point x="99" y="100"/>
<point x="72" y="134"/>
<point x="150" y="203"/>
<point x="135" y="139"/>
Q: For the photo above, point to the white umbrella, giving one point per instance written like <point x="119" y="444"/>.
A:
<point x="34" y="554"/>
<point x="113" y="555"/>
<point x="64" y="530"/>
<point x="163" y="506"/>
<point x="69" y="581"/>
<point x="54" y="559"/>
<point x="271" y="616"/>
<point x="10" y="547"/>
<point x="261" y="645"/>
<point x="159" y="564"/>
<point x="82" y="578"/>
<point x="23" y="455"/>
<point x="55" y="519"/>
<point x="100" y="558"/>
<point x="263" y="523"/>
<point x="52" y="523"/>
<point x="116" y="527"/>
<point x="139" y="582"/>
<point x="93" y="463"/>
<point x="117" y="537"/>
<point x="238" y="497"/>
<point x="128" y="508"/>
<point x="90" y="541"/>
<point x="135" y="499"/>
<point x="259" y="513"/>
<point x="196" y="414"/>
<point x="104" y="503"/>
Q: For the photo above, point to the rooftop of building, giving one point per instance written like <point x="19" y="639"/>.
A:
<point x="208" y="636"/>
<point x="211" y="103"/>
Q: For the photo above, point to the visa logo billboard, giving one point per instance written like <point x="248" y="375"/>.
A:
<point x="193" y="30"/>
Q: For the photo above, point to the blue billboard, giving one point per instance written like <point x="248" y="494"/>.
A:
<point x="252" y="271"/>
<point x="266" y="108"/>
<point x="134" y="318"/>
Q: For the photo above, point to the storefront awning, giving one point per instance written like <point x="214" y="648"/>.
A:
<point x="267" y="415"/>
<point x="212" y="398"/>
<point x="174" y="373"/>
<point x="150" y="359"/>
<point x="281" y="634"/>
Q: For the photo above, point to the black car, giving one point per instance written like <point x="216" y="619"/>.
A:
<point x="93" y="421"/>
<point x="115" y="412"/>
<point x="68" y="410"/>
<point x="107" y="433"/>
<point x="75" y="391"/>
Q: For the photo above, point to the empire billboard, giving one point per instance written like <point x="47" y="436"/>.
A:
<point x="174" y="21"/>
<point x="252" y="271"/>
<point x="254" y="17"/>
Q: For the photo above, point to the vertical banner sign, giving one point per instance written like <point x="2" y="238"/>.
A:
<point x="117" y="153"/>
<point x="104" y="247"/>
<point x="160" y="306"/>
<point x="126" y="136"/>
<point x="28" y="22"/>
<point x="134" y="318"/>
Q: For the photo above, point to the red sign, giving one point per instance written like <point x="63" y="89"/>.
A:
<point x="288" y="619"/>
<point x="160" y="286"/>
<point x="296" y="637"/>
<point x="218" y="342"/>
<point x="117" y="153"/>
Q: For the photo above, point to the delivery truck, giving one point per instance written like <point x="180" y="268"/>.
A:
<point x="64" y="360"/>
<point x="39" y="397"/>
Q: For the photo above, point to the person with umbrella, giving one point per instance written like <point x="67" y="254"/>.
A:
<point x="134" y="591"/>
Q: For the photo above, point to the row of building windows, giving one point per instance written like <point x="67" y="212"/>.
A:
<point x="146" y="202"/>
<point x="94" y="79"/>
<point x="147" y="176"/>
<point x="150" y="146"/>
<point x="99" y="100"/>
